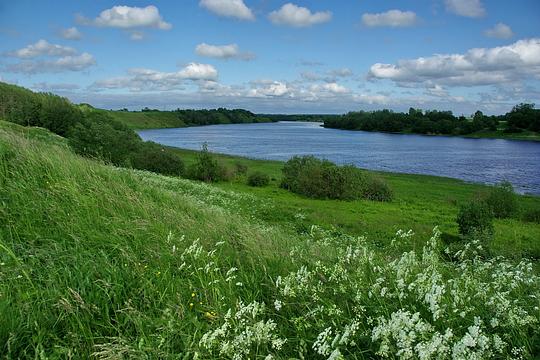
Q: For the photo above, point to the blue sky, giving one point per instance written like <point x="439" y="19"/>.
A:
<point x="277" y="56"/>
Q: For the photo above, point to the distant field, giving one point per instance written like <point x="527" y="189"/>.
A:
<point x="148" y="119"/>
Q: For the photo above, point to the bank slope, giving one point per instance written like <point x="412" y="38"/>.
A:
<point x="97" y="261"/>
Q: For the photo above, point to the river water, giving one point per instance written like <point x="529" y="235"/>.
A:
<point x="486" y="161"/>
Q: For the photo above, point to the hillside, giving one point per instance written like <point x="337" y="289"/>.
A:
<point x="109" y="262"/>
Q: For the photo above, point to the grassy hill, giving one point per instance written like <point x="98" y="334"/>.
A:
<point x="147" y="119"/>
<point x="104" y="262"/>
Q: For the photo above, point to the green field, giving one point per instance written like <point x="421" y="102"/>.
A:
<point x="112" y="263"/>
<point x="420" y="203"/>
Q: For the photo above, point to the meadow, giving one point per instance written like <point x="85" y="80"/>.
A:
<point x="107" y="262"/>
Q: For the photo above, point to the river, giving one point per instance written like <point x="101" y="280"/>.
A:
<point x="486" y="161"/>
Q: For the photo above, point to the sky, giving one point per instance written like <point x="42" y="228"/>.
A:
<point x="271" y="56"/>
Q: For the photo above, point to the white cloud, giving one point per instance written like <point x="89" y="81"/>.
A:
<point x="392" y="18"/>
<point x="45" y="86"/>
<point x="62" y="64"/>
<point x="499" y="31"/>
<point x="71" y="33"/>
<point x="297" y="16"/>
<point x="140" y="79"/>
<point x="334" y="88"/>
<point x="479" y="66"/>
<point x="126" y="17"/>
<point x="196" y="71"/>
<point x="468" y="8"/>
<point x="231" y="51"/>
<point x="228" y="8"/>
<point x="269" y="88"/>
<point x="42" y="48"/>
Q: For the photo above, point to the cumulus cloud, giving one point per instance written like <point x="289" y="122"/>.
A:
<point x="71" y="33"/>
<point x="127" y="17"/>
<point x="468" y="8"/>
<point x="297" y="16"/>
<point x="62" y="64"/>
<point x="140" y="79"/>
<point x="479" y="66"/>
<point x="228" y="8"/>
<point x="42" y="48"/>
<point x="334" y="88"/>
<point x="231" y="51"/>
<point x="392" y="18"/>
<point x="269" y="88"/>
<point x="44" y="57"/>
<point x="499" y="31"/>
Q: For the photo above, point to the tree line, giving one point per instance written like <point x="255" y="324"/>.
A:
<point x="522" y="117"/>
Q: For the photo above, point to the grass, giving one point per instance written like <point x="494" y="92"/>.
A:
<point x="147" y="119"/>
<point x="109" y="263"/>
<point x="420" y="202"/>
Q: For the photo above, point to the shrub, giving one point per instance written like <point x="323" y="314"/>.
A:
<point x="258" y="179"/>
<point x="155" y="158"/>
<point x="207" y="168"/>
<point x="502" y="200"/>
<point x="57" y="114"/>
<point x="475" y="217"/>
<point x="532" y="215"/>
<point x="100" y="136"/>
<point x="240" y="168"/>
<point x="321" y="179"/>
<point x="377" y="189"/>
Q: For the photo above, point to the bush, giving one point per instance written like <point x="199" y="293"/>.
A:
<point x="532" y="215"/>
<point x="321" y="179"/>
<point x="241" y="169"/>
<point x="502" y="200"/>
<point x="155" y="158"/>
<point x="377" y="189"/>
<point x="100" y="136"/>
<point x="475" y="217"/>
<point x="258" y="179"/>
<point x="207" y="167"/>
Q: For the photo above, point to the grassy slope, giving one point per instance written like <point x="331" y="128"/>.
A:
<point x="105" y="261"/>
<point x="147" y="119"/>
<point x="89" y="248"/>
<point x="421" y="202"/>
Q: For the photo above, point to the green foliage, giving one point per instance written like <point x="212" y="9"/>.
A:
<point x="502" y="201"/>
<point x="377" y="189"/>
<point x="323" y="179"/>
<point x="47" y="110"/>
<point x="258" y="179"/>
<point x="58" y="114"/>
<point x="99" y="136"/>
<point x="206" y="167"/>
<point x="475" y="217"/>
<point x="240" y="168"/>
<point x="523" y="116"/>
<point x="156" y="158"/>
<point x="532" y="215"/>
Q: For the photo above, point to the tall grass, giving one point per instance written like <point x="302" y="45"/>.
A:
<point x="111" y="263"/>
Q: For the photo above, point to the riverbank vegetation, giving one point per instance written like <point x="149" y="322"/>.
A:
<point x="106" y="262"/>
<point x="522" y="122"/>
